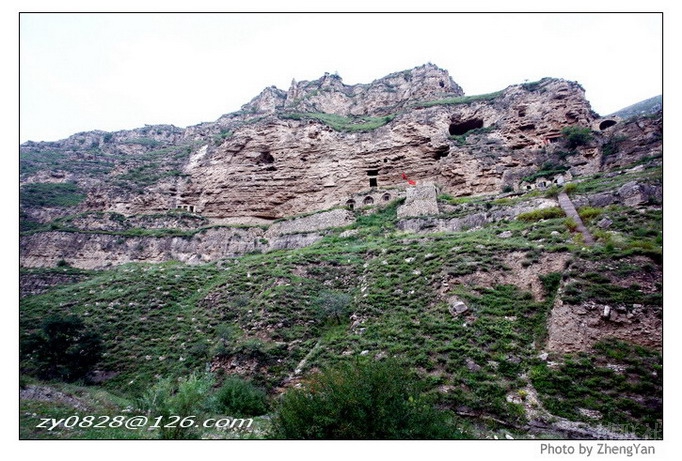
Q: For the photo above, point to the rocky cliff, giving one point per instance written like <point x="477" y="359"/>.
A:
<point x="319" y="143"/>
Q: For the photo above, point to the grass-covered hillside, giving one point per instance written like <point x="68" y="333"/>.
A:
<point x="462" y="316"/>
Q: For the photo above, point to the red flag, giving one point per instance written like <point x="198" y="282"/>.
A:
<point x="409" y="181"/>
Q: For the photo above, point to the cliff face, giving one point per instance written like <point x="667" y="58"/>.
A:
<point x="321" y="143"/>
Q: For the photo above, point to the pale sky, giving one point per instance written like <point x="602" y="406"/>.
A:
<point x="81" y="72"/>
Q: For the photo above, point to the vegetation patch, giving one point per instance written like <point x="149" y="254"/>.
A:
<point x="341" y="123"/>
<point x="66" y="194"/>
<point x="459" y="100"/>
<point x="542" y="213"/>
<point x="620" y="381"/>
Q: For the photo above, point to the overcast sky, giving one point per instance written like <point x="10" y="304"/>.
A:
<point x="81" y="72"/>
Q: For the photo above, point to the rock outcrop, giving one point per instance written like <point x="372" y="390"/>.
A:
<point x="320" y="143"/>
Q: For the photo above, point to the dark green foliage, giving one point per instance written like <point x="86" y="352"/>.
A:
<point x="51" y="195"/>
<point x="612" y="145"/>
<point x="238" y="397"/>
<point x="366" y="400"/>
<point x="188" y="398"/>
<point x="577" y="135"/>
<point x="547" y="170"/>
<point x="333" y="305"/>
<point x="64" y="349"/>
<point x="532" y="86"/>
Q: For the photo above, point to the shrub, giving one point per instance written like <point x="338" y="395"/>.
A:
<point x="62" y="349"/>
<point x="571" y="224"/>
<point x="367" y="400"/>
<point x="570" y="188"/>
<point x="577" y="135"/>
<point x="588" y="213"/>
<point x="332" y="305"/>
<point x="186" y="398"/>
<point x="237" y="397"/>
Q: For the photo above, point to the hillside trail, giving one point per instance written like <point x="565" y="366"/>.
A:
<point x="567" y="205"/>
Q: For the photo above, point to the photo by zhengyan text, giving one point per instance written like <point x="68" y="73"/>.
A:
<point x="141" y="421"/>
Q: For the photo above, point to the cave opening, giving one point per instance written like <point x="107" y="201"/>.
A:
<point x="441" y="152"/>
<point x="460" y="128"/>
<point x="350" y="204"/>
<point x="606" y="124"/>
<point x="265" y="157"/>
<point x="372" y="177"/>
<point x="368" y="201"/>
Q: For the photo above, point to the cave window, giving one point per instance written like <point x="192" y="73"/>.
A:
<point x="606" y="124"/>
<point x="386" y="197"/>
<point x="190" y="208"/>
<point x="350" y="204"/>
<point x="460" y="128"/>
<point x="368" y="200"/>
<point x="372" y="177"/>
<point x="442" y="84"/>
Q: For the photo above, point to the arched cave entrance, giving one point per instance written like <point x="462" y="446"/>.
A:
<point x="607" y="124"/>
<point x="459" y="128"/>
<point x="386" y="197"/>
<point x="350" y="204"/>
<point x="368" y="201"/>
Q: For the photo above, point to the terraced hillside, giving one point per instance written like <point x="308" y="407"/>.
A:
<point x="511" y="324"/>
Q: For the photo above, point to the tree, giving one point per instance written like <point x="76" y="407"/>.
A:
<point x="577" y="135"/>
<point x="365" y="400"/>
<point x="64" y="348"/>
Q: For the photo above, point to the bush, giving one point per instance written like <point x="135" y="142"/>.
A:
<point x="332" y="305"/>
<point x="589" y="213"/>
<point x="570" y="188"/>
<point x="186" y="398"/>
<point x="571" y="225"/>
<point x="367" y="400"/>
<point x="240" y="398"/>
<point x="63" y="349"/>
<point x="577" y="136"/>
